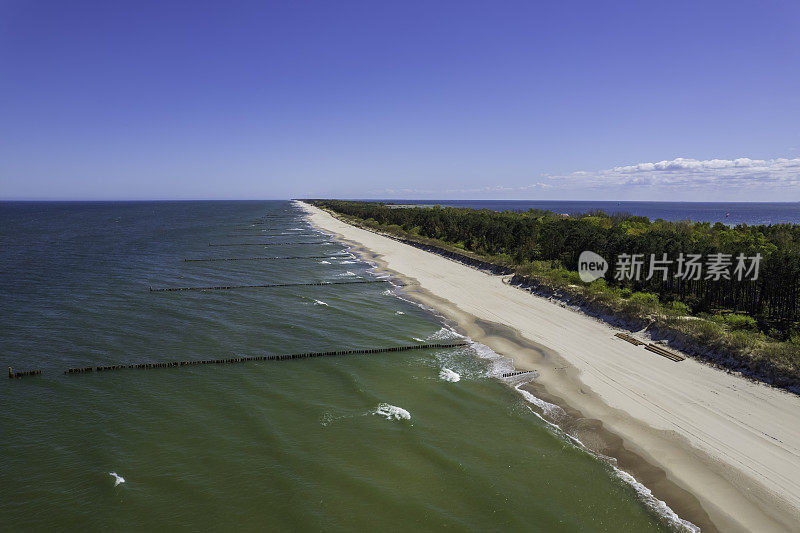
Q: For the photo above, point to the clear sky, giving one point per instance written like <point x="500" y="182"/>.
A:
<point x="640" y="100"/>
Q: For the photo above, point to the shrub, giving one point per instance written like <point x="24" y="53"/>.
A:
<point x="645" y="298"/>
<point x="679" y="308"/>
<point x="741" y="322"/>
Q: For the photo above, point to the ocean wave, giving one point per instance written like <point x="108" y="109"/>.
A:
<point x="654" y="504"/>
<point x="324" y="262"/>
<point x="445" y="374"/>
<point x="498" y="364"/>
<point x="445" y="334"/>
<point x="645" y="495"/>
<point x="348" y="273"/>
<point x="550" y="410"/>
<point x="117" y="478"/>
<point x="320" y="302"/>
<point x="399" y="313"/>
<point x="392" y="412"/>
<point x="418" y="339"/>
<point x="347" y="262"/>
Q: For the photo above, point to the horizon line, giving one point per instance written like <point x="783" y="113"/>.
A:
<point x="131" y="200"/>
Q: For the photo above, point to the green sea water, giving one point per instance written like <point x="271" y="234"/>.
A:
<point x="418" y="440"/>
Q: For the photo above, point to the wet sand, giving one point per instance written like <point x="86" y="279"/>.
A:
<point x="722" y="451"/>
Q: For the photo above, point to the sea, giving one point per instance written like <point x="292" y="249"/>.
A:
<point x="729" y="213"/>
<point x="422" y="440"/>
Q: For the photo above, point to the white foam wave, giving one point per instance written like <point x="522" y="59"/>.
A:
<point x="498" y="365"/>
<point x="444" y="334"/>
<point x="347" y="262"/>
<point x="550" y="410"/>
<point x="320" y="302"/>
<point x="117" y="478"/>
<point x="392" y="412"/>
<point x="348" y="273"/>
<point x="324" y="262"/>
<point x="446" y="374"/>
<point x="658" y="506"/>
<point x="399" y="313"/>
<point x="418" y="339"/>
<point x="654" y="504"/>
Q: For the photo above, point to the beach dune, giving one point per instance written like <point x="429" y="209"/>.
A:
<point x="726" y="449"/>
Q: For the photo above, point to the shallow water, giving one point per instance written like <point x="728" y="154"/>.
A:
<point x="377" y="441"/>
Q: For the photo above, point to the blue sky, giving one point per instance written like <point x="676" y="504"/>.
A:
<point x="516" y="100"/>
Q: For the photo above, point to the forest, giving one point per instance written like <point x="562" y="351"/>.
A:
<point x="745" y="282"/>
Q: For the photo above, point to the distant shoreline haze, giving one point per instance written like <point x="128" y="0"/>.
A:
<point x="731" y="213"/>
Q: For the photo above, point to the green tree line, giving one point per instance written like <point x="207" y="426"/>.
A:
<point x="524" y="238"/>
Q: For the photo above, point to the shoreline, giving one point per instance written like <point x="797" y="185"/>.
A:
<point x="642" y="430"/>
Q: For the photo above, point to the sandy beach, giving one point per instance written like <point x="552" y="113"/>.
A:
<point x="722" y="451"/>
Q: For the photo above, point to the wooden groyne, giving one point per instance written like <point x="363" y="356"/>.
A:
<point x="79" y="370"/>
<point x="517" y="373"/>
<point x="268" y="285"/>
<point x="275" y="235"/>
<point x="266" y="243"/>
<point x="267" y="258"/>
<point x="12" y="374"/>
<point x="278" y="357"/>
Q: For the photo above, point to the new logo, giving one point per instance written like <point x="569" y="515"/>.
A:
<point x="591" y="266"/>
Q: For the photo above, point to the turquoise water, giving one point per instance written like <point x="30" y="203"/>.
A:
<point x="365" y="442"/>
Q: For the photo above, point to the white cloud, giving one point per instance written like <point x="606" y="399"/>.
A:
<point x="740" y="172"/>
<point x="740" y="179"/>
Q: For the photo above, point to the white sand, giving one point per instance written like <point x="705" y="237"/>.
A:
<point x="732" y="443"/>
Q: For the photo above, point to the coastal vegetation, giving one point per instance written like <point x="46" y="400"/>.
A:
<point x="743" y="320"/>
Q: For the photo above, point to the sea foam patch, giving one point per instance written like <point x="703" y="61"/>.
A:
<point x="550" y="410"/>
<point x="392" y="412"/>
<point x="445" y="374"/>
<point x="444" y="334"/>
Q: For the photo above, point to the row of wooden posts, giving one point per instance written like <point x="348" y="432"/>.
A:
<point x="81" y="370"/>
<point x="268" y="285"/>
<point x="268" y="258"/>
<point x="278" y="235"/>
<point x="517" y="373"/>
<point x="278" y="357"/>
<point x="265" y="243"/>
<point x="12" y="374"/>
